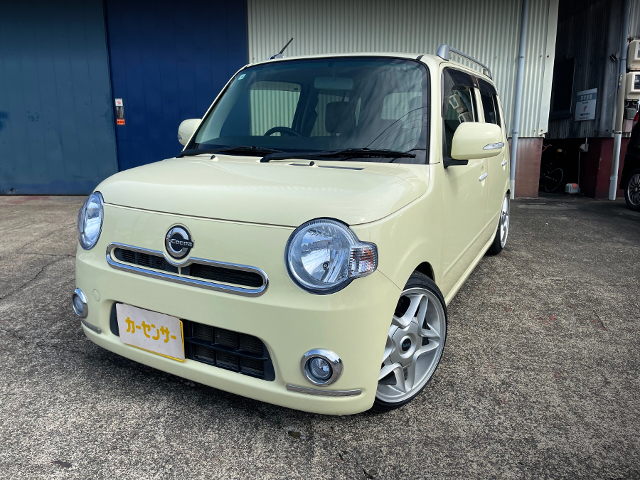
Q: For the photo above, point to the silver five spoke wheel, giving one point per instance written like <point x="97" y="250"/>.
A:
<point x="414" y="345"/>
<point x="504" y="221"/>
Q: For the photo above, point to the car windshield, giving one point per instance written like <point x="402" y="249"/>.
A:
<point x="322" y="105"/>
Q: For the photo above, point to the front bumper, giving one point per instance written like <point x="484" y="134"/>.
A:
<point x="352" y="323"/>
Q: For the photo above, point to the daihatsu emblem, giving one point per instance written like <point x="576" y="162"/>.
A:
<point x="178" y="242"/>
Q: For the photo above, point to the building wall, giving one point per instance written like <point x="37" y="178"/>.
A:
<point x="634" y="19"/>
<point x="589" y="32"/>
<point x="486" y="29"/>
<point x="528" y="167"/>
<point x="56" y="120"/>
<point x="167" y="65"/>
<point x="596" y="171"/>
<point x="57" y="102"/>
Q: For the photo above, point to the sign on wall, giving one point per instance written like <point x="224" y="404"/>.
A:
<point x="119" y="111"/>
<point x="586" y="105"/>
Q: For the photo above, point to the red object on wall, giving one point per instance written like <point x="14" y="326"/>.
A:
<point x="596" y="167"/>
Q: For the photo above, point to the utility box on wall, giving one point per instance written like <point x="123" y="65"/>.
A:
<point x="632" y="90"/>
<point x="633" y="55"/>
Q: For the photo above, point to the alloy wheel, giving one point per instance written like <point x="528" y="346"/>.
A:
<point x="504" y="221"/>
<point x="633" y="189"/>
<point x="414" y="345"/>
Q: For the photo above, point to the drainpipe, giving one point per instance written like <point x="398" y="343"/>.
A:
<point x="518" y="102"/>
<point x="617" y="131"/>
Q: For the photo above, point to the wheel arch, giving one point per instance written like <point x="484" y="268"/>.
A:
<point x="426" y="269"/>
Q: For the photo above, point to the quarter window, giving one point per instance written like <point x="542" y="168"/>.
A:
<point x="490" y="107"/>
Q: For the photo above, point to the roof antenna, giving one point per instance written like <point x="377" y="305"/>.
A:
<point x="279" y="54"/>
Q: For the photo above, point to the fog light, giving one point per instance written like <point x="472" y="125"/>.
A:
<point x="321" y="367"/>
<point x="79" y="302"/>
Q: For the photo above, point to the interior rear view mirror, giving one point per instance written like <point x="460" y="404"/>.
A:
<point x="186" y="129"/>
<point x="476" y="140"/>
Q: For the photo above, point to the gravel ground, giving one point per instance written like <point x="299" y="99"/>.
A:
<point x="540" y="377"/>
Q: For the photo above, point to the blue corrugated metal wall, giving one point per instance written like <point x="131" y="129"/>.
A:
<point x="168" y="62"/>
<point x="56" y="116"/>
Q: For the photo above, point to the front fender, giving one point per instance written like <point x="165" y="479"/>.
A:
<point x="411" y="236"/>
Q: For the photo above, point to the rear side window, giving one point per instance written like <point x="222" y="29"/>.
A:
<point x="458" y="104"/>
<point x="490" y="107"/>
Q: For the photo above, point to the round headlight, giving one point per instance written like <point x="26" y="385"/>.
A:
<point x="324" y="256"/>
<point x="90" y="221"/>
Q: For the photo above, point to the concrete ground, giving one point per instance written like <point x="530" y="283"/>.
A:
<point x="540" y="377"/>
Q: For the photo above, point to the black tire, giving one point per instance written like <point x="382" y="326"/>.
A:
<point x="497" y="246"/>
<point x="416" y="280"/>
<point x="632" y="191"/>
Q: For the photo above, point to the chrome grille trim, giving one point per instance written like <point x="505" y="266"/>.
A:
<point x="185" y="280"/>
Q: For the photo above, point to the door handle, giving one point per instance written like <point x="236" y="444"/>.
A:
<point x="483" y="176"/>
<point x="504" y="162"/>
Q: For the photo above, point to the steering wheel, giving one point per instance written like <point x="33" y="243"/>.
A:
<point x="283" y="130"/>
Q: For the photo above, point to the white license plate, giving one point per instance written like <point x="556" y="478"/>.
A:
<point x="151" y="331"/>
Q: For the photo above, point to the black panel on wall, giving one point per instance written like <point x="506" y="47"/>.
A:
<point x="168" y="62"/>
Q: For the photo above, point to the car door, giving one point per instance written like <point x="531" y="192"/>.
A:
<point x="464" y="186"/>
<point x="498" y="166"/>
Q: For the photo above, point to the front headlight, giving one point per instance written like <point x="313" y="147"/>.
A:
<point x="324" y="256"/>
<point x="90" y="221"/>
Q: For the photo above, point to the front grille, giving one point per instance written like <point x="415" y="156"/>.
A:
<point x="225" y="275"/>
<point x="194" y="270"/>
<point x="144" y="260"/>
<point x="221" y="348"/>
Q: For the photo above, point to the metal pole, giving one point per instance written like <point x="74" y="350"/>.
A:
<point x="518" y="102"/>
<point x="617" y="132"/>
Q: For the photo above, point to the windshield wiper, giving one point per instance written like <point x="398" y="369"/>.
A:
<point x="338" y="154"/>
<point x="240" y="149"/>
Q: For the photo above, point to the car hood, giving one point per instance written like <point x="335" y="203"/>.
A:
<point x="277" y="193"/>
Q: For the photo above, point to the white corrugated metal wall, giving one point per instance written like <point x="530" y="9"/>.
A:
<point x="634" y="18"/>
<point x="486" y="29"/>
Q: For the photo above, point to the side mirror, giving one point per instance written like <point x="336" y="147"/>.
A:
<point x="186" y="129"/>
<point x="476" y="140"/>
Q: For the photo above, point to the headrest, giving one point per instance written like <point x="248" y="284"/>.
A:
<point x="339" y="117"/>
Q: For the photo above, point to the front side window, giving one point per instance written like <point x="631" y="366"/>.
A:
<point x="458" y="104"/>
<point x="320" y="105"/>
